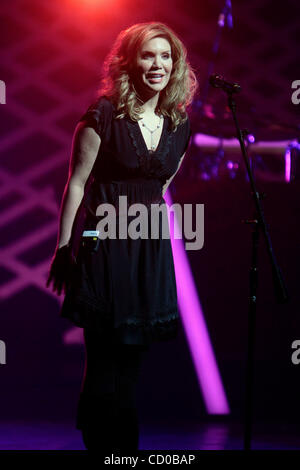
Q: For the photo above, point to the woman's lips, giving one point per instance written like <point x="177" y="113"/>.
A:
<point x="156" y="78"/>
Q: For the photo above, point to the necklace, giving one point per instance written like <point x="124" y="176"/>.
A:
<point x="152" y="131"/>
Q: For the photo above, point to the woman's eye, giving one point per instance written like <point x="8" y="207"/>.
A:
<point x="148" y="56"/>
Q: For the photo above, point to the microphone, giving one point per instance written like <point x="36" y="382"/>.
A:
<point x="217" y="81"/>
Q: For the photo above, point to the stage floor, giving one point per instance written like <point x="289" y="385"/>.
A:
<point x="183" y="435"/>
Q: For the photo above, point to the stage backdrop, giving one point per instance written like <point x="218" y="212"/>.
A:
<point x="51" y="55"/>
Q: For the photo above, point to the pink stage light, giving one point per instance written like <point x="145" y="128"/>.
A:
<point x="195" y="328"/>
<point x="287" y="158"/>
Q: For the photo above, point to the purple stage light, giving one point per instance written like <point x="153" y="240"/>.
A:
<point x="196" y="331"/>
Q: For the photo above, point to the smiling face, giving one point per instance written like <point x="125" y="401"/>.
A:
<point x="154" y="66"/>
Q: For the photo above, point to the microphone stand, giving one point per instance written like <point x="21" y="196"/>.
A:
<point x="259" y="225"/>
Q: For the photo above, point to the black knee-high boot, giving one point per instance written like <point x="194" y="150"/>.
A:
<point x="96" y="418"/>
<point x="127" y="416"/>
<point x="110" y="422"/>
<point x="128" y="430"/>
<point x="106" y="413"/>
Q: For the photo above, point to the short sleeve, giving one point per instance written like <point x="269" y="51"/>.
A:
<point x="184" y="133"/>
<point x="99" y="116"/>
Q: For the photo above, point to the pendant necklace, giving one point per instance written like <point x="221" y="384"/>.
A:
<point x="152" y="132"/>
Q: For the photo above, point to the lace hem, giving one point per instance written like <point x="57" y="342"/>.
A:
<point x="168" y="317"/>
<point x="83" y="312"/>
<point x="136" y="332"/>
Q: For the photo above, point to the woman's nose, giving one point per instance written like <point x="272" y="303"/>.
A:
<point x="157" y="61"/>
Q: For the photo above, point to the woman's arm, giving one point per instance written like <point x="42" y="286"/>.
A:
<point x="85" y="147"/>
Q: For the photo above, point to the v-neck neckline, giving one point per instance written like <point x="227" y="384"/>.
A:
<point x="143" y="142"/>
<point x="150" y="163"/>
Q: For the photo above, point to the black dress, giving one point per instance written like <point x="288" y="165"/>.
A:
<point x="126" y="289"/>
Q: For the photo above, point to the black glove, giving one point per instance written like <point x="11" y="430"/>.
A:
<point x="60" y="269"/>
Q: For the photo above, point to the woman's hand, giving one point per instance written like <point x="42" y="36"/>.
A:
<point x="60" y="269"/>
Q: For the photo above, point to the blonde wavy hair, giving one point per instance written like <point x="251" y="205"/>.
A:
<point x="117" y="83"/>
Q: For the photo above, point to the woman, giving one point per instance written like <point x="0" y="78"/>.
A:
<point x="122" y="291"/>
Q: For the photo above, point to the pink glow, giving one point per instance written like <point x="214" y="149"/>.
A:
<point x="287" y="158"/>
<point x="195" y="328"/>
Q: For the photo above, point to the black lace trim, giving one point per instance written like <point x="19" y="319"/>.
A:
<point x="149" y="324"/>
<point x="152" y="164"/>
<point x="84" y="311"/>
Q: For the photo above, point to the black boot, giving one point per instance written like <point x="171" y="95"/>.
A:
<point x="127" y="430"/>
<point x="97" y="421"/>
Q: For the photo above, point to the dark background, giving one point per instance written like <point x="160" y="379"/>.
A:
<point x="51" y="54"/>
